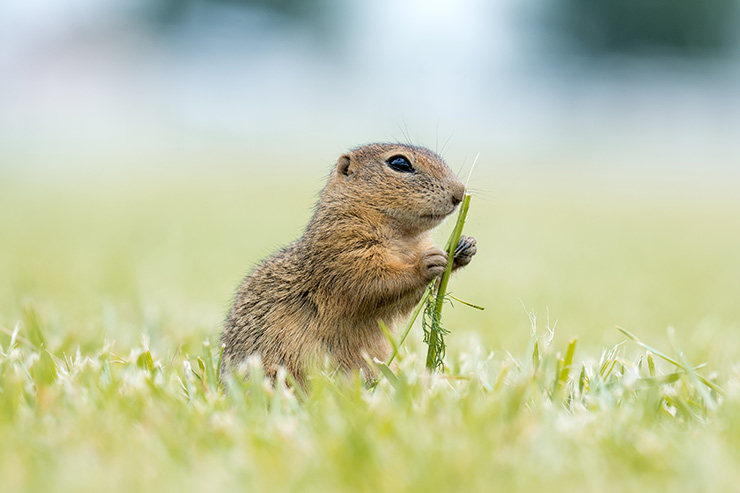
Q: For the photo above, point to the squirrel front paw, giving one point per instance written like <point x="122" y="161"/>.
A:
<point x="464" y="252"/>
<point x="432" y="263"/>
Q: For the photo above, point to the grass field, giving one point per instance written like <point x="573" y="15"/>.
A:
<point x="109" y="288"/>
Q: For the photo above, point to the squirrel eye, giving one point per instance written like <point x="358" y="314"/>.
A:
<point x="400" y="164"/>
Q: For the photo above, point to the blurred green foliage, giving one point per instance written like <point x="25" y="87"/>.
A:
<point x="681" y="28"/>
<point x="303" y="11"/>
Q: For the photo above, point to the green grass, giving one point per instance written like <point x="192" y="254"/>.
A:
<point x="113" y="289"/>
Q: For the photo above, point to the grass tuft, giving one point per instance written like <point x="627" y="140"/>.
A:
<point x="164" y="418"/>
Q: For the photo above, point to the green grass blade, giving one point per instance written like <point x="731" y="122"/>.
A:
<point x="567" y="363"/>
<point x="211" y="369"/>
<point x="673" y="361"/>
<point x="637" y="341"/>
<point x="388" y="373"/>
<point x="466" y="303"/>
<point x="651" y="364"/>
<point x="33" y="326"/>
<point x="435" y="351"/>
<point x="387" y="333"/>
<point x="410" y="323"/>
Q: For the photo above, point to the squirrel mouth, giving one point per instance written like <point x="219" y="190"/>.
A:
<point x="437" y="217"/>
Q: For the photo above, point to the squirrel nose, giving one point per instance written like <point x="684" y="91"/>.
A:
<point x="457" y="194"/>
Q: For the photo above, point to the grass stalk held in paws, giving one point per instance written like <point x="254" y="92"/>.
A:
<point x="431" y="302"/>
<point x="432" y="320"/>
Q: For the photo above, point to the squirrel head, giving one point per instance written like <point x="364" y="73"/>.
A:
<point x="412" y="186"/>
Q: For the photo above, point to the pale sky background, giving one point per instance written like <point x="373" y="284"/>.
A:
<point x="89" y="83"/>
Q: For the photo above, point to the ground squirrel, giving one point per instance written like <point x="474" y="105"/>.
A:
<point x="366" y="255"/>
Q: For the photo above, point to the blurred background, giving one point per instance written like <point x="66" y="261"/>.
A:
<point x="152" y="150"/>
<point x="617" y="84"/>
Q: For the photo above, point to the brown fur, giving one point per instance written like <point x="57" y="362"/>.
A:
<point x="366" y="255"/>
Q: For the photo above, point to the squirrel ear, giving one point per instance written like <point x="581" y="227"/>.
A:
<point x="343" y="165"/>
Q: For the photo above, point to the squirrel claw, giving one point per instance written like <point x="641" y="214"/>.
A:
<point x="466" y="248"/>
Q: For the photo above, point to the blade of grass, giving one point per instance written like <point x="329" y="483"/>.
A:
<point x="387" y="333"/>
<point x="436" y="340"/>
<point x="466" y="303"/>
<point x="567" y="363"/>
<point x="387" y="373"/>
<point x="412" y="319"/>
<point x="685" y="368"/>
<point x="695" y="377"/>
<point x="651" y="364"/>
<point x="211" y="370"/>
